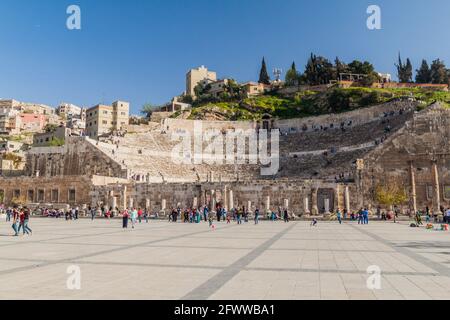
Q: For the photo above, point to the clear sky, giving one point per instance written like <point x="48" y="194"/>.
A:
<point x="140" y="50"/>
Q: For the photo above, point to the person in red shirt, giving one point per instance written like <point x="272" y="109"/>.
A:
<point x="125" y="217"/>
<point x="140" y="213"/>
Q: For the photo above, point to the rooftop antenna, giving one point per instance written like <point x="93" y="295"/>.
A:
<point x="277" y="74"/>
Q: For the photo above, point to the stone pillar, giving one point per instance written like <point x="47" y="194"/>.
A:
<point x="315" y="209"/>
<point x="131" y="203"/>
<point x="327" y="206"/>
<point x="225" y="198"/>
<point x="163" y="204"/>
<point x="286" y="204"/>
<point x="306" y="205"/>
<point x="249" y="206"/>
<point x="124" y="198"/>
<point x="231" y="200"/>
<point x="113" y="203"/>
<point x="437" y="194"/>
<point x="347" y="199"/>
<point x="268" y="204"/>
<point x="195" y="203"/>
<point x="212" y="203"/>
<point x="413" y="188"/>
<point x="147" y="204"/>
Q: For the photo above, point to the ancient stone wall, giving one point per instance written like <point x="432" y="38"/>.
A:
<point x="74" y="190"/>
<point x="411" y="158"/>
<point x="78" y="156"/>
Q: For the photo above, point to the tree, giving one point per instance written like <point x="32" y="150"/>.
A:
<point x="438" y="72"/>
<point x="404" y="71"/>
<point x="423" y="75"/>
<point x="147" y="110"/>
<point x="318" y="70"/>
<point x="391" y="194"/>
<point x="292" y="76"/>
<point x="359" y="67"/>
<point x="340" y="67"/>
<point x="263" y="75"/>
<point x="50" y="128"/>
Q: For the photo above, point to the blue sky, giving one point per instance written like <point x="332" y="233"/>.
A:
<point x="139" y="51"/>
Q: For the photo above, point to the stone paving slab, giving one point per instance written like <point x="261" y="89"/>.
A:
<point x="162" y="260"/>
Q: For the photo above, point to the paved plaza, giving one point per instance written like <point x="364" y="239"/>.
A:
<point x="160" y="260"/>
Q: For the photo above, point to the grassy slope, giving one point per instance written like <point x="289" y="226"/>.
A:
<point x="310" y="103"/>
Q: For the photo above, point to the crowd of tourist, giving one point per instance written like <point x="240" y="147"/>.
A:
<point x="20" y="217"/>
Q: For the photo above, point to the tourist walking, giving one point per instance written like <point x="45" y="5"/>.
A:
<point x="365" y="216"/>
<point x="256" y="216"/>
<point x="239" y="216"/>
<point x="360" y="216"/>
<point x="134" y="214"/>
<point x="205" y="213"/>
<point x="8" y="215"/>
<point x="286" y="216"/>
<point x="15" y="221"/>
<point x="93" y="213"/>
<point x="26" y="220"/>
<point x="339" y="217"/>
<point x="125" y="217"/>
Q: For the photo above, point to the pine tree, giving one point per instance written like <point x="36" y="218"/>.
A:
<point x="263" y="75"/>
<point x="439" y="73"/>
<point x="292" y="76"/>
<point x="404" y="71"/>
<point x="424" y="73"/>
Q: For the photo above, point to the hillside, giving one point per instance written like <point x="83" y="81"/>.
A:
<point x="308" y="103"/>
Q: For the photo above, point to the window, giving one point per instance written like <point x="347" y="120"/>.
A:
<point x="430" y="192"/>
<point x="55" y="195"/>
<point x="105" y="122"/>
<point x="105" y="112"/>
<point x="123" y="113"/>
<point x="72" y="195"/>
<point x="41" y="195"/>
<point x="447" y="192"/>
<point x="2" y="196"/>
<point x="16" y="193"/>
<point x="30" y="195"/>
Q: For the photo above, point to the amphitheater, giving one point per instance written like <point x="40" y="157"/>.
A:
<point x="325" y="163"/>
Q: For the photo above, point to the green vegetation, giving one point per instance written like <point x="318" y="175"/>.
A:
<point x="311" y="103"/>
<point x="16" y="160"/>
<point x="56" y="142"/>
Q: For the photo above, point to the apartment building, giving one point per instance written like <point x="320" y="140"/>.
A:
<point x="104" y="119"/>
<point x="195" y="76"/>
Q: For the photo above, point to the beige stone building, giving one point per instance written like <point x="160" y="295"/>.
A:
<point x="195" y="76"/>
<point x="103" y="119"/>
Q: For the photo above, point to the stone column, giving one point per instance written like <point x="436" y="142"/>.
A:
<point x="437" y="194"/>
<point x="113" y="203"/>
<point x="231" y="200"/>
<point x="131" y="203"/>
<point x="147" y="204"/>
<point x="124" y="198"/>
<point x="195" y="202"/>
<point x="249" y="206"/>
<point x="347" y="199"/>
<point x="225" y="198"/>
<point x="212" y="203"/>
<point x="163" y="204"/>
<point x="306" y="205"/>
<point x="413" y="188"/>
<point x="267" y="203"/>
<point x="286" y="204"/>
<point x="315" y="209"/>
